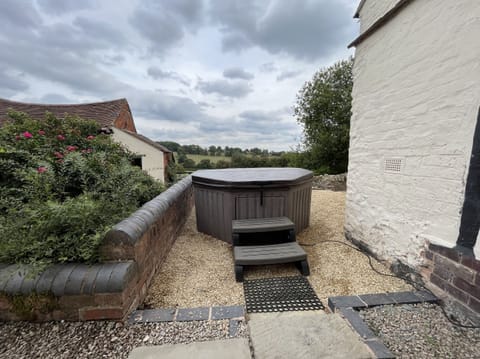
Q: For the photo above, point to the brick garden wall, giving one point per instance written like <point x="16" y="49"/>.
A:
<point x="454" y="273"/>
<point x="132" y="251"/>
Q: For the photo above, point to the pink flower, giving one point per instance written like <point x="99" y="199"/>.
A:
<point x="27" y="134"/>
<point x="41" y="132"/>
<point x="41" y="169"/>
<point x="58" y="154"/>
<point x="60" y="138"/>
<point x="90" y="137"/>
<point x="17" y="138"/>
<point x="71" y="148"/>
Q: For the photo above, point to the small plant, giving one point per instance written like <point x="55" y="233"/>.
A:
<point x="63" y="184"/>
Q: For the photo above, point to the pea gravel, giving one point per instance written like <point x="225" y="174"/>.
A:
<point x="421" y="331"/>
<point x="199" y="269"/>
<point x="101" y="339"/>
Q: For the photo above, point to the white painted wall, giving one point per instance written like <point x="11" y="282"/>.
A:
<point x="416" y="96"/>
<point x="152" y="158"/>
<point x="373" y="10"/>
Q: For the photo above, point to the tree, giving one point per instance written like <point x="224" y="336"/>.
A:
<point x="204" y="164"/>
<point x="323" y="107"/>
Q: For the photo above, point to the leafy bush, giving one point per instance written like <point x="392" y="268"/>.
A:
<point x="63" y="185"/>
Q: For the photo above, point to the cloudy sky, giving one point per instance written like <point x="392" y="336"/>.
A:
<point x="222" y="72"/>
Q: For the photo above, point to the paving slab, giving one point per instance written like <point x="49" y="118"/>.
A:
<point x="304" y="335"/>
<point x="217" y="349"/>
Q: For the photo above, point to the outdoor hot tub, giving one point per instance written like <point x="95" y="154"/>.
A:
<point x="243" y="193"/>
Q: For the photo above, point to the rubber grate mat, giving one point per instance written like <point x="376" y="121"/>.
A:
<point x="280" y="295"/>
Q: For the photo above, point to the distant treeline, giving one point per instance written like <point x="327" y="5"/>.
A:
<point x="193" y="157"/>
<point x="215" y="150"/>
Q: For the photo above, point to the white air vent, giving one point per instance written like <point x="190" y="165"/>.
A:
<point x="393" y="165"/>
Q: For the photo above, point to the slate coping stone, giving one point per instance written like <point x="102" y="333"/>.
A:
<point x="158" y="315"/>
<point x="190" y="314"/>
<point x="229" y="312"/>
<point x="45" y="282"/>
<point x="379" y="349"/>
<point x="103" y="277"/>
<point x="233" y="326"/>
<point x="404" y="297"/>
<point x="121" y="275"/>
<point x="377" y="299"/>
<point x="90" y="278"/>
<point x="357" y="323"/>
<point x="345" y="301"/>
<point x="60" y="280"/>
<point x="426" y="296"/>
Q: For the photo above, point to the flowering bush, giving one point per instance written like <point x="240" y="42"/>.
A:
<point x="63" y="185"/>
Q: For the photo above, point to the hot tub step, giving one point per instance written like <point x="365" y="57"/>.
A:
<point x="256" y="225"/>
<point x="244" y="230"/>
<point x="269" y="254"/>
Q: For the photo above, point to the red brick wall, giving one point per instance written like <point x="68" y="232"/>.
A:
<point x="148" y="250"/>
<point x="125" y="121"/>
<point x="455" y="273"/>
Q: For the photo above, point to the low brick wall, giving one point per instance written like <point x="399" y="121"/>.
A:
<point x="330" y="182"/>
<point x="131" y="252"/>
<point x="454" y="273"/>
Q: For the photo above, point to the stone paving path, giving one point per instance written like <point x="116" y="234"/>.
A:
<point x="294" y="334"/>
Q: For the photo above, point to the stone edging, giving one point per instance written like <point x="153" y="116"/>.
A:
<point x="348" y="307"/>
<point x="235" y="314"/>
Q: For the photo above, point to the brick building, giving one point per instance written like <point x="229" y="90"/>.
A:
<point x="413" y="188"/>
<point x="114" y="117"/>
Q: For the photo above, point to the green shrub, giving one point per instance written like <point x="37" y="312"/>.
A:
<point x="63" y="186"/>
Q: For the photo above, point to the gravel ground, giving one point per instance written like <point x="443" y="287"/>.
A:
<point x="421" y="331"/>
<point x="199" y="269"/>
<point x="101" y="339"/>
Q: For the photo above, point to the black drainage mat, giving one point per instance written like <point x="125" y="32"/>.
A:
<point x="280" y="295"/>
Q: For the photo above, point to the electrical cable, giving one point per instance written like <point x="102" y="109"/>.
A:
<point x="416" y="285"/>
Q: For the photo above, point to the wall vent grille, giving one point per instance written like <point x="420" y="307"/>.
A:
<point x="393" y="165"/>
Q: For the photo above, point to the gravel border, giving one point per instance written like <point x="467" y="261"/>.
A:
<point x="421" y="331"/>
<point x="102" y="339"/>
<point x="198" y="271"/>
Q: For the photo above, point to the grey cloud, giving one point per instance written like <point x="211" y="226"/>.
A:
<point x="218" y="126"/>
<point x="11" y="84"/>
<point x="268" y="67"/>
<point x="161" y="106"/>
<point x="59" y="7"/>
<point x="165" y="23"/>
<point x="100" y="31"/>
<point x="301" y="28"/>
<point x="265" y="122"/>
<point x="157" y="73"/>
<point x="55" y="98"/>
<point x="224" y="88"/>
<point x="287" y="75"/>
<point x="237" y="73"/>
<point x="60" y="52"/>
<point x="64" y="67"/>
<point x="19" y="14"/>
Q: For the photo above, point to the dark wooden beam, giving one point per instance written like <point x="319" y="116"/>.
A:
<point x="381" y="21"/>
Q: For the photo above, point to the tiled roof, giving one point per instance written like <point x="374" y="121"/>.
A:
<point x="104" y="113"/>
<point x="147" y="140"/>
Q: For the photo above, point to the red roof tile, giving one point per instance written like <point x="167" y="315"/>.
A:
<point x="104" y="113"/>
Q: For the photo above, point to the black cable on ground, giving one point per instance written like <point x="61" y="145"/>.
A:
<point x="417" y="286"/>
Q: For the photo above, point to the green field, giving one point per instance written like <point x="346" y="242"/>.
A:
<point x="213" y="159"/>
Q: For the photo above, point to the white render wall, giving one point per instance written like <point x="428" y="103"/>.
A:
<point x="152" y="158"/>
<point x="416" y="97"/>
<point x="373" y="10"/>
